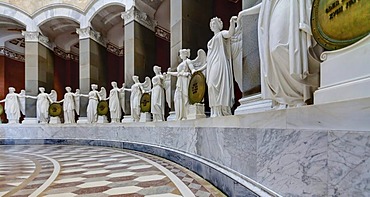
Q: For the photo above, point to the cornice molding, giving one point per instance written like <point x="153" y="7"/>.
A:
<point x="134" y="14"/>
<point x="88" y="32"/>
<point x="67" y="56"/>
<point x="114" y="49"/>
<point x="163" y="33"/>
<point x="12" y="54"/>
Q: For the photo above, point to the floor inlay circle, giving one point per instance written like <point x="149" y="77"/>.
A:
<point x="57" y="170"/>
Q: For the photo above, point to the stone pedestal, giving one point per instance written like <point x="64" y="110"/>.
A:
<point x="127" y="119"/>
<point x="30" y="121"/>
<point x="172" y="116"/>
<point x="253" y="104"/>
<point x="82" y="120"/>
<point x="196" y="111"/>
<point x="145" y="117"/>
<point x="102" y="119"/>
<point x="55" y="120"/>
<point x="345" y="74"/>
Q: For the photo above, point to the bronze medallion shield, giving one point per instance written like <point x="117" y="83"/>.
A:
<point x="338" y="23"/>
<point x="145" y="102"/>
<point x="197" y="88"/>
<point x="103" y="108"/>
<point x="55" y="109"/>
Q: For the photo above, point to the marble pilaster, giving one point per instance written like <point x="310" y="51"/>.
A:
<point x="38" y="70"/>
<point x="139" y="43"/>
<point x="89" y="70"/>
<point x="189" y="30"/>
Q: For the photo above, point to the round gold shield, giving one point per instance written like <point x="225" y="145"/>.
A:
<point x="103" y="108"/>
<point x="55" y="109"/>
<point x="197" y="88"/>
<point x="145" y="102"/>
<point x="1" y="110"/>
<point x="337" y="24"/>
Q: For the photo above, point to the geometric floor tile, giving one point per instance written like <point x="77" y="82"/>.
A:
<point x="149" y="178"/>
<point x="94" y="171"/>
<point x="123" y="190"/>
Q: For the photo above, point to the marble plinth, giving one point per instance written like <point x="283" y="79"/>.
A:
<point x="30" y="121"/>
<point x="196" y="111"/>
<point x="127" y="119"/>
<point x="82" y="120"/>
<point x="252" y="104"/>
<point x="55" y="120"/>
<point x="345" y="73"/>
<point x="145" y="117"/>
<point x="172" y="116"/>
<point x="102" y="119"/>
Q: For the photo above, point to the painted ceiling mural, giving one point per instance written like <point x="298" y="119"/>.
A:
<point x="30" y="7"/>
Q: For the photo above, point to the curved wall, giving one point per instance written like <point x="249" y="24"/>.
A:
<point x="321" y="150"/>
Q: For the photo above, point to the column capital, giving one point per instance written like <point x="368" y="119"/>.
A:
<point x="88" y="32"/>
<point x="31" y="36"/>
<point x="134" y="14"/>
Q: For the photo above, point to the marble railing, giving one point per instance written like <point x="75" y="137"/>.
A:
<point x="321" y="150"/>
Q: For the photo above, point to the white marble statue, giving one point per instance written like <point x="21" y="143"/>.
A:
<point x="94" y="98"/>
<point x="71" y="105"/>
<point x="157" y="105"/>
<point x="167" y="87"/>
<point x="137" y="90"/>
<point x="14" y="105"/>
<point x="181" y="98"/>
<point x="115" y="102"/>
<point x="285" y="38"/>
<point x="42" y="104"/>
<point x="219" y="74"/>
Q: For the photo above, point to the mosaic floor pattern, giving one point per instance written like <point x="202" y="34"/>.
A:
<point x="52" y="171"/>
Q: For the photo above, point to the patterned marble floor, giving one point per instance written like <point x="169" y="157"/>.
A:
<point x="47" y="170"/>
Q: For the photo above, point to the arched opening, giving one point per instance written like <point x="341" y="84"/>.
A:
<point x="64" y="53"/>
<point x="12" y="67"/>
<point x="107" y="57"/>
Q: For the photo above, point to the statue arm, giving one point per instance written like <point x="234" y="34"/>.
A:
<point x="231" y="31"/>
<point x="31" y="97"/>
<point x="173" y="73"/>
<point x="2" y="101"/>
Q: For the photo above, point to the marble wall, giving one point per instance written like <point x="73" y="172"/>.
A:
<point x="291" y="162"/>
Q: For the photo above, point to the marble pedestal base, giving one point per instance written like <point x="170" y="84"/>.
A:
<point x="252" y="104"/>
<point x="82" y="120"/>
<point x="54" y="120"/>
<point x="29" y="121"/>
<point x="127" y="119"/>
<point x="145" y="117"/>
<point x="345" y="73"/>
<point x="196" y="111"/>
<point x="172" y="116"/>
<point x="102" y="119"/>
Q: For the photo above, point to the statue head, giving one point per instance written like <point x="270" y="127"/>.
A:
<point x="184" y="53"/>
<point x="216" y="24"/>
<point x="94" y="86"/>
<point x="156" y="69"/>
<point x="114" y="84"/>
<point x="68" y="89"/>
<point x="135" y="78"/>
<point x="42" y="89"/>
<point x="11" y="89"/>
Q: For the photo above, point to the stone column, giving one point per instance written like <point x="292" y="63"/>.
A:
<point x="189" y="30"/>
<point x="139" y="43"/>
<point x="250" y="83"/>
<point x="89" y="72"/>
<point x="39" y="70"/>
